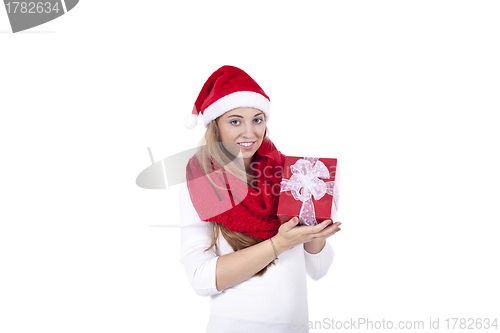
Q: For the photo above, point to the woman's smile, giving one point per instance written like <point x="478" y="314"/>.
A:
<point x="246" y="145"/>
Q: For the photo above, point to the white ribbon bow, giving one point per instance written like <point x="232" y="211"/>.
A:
<point x="306" y="174"/>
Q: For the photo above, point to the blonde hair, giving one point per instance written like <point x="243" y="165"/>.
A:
<point x="212" y="150"/>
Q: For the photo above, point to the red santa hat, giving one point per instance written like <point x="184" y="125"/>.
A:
<point x="227" y="88"/>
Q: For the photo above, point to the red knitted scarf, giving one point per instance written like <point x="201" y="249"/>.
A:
<point x="238" y="206"/>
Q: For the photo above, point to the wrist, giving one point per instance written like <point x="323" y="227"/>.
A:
<point x="278" y="244"/>
<point x="315" y="246"/>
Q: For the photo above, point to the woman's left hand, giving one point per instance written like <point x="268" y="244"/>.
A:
<point x="317" y="244"/>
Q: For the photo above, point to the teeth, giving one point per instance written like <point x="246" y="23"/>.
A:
<point x="245" y="144"/>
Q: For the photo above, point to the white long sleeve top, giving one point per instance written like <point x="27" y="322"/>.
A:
<point x="274" y="302"/>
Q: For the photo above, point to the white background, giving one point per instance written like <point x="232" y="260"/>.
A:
<point x="404" y="93"/>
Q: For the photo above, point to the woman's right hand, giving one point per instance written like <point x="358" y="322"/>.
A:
<point x="290" y="235"/>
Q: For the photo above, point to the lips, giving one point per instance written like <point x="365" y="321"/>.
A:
<point x="246" y="145"/>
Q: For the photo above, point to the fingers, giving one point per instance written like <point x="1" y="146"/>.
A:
<point x="319" y="230"/>
<point x="329" y="231"/>
<point x="290" y="224"/>
<point x="322" y="226"/>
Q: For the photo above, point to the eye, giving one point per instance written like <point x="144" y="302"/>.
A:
<point x="258" y="120"/>
<point x="235" y="122"/>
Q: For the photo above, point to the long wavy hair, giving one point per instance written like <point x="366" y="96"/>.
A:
<point x="212" y="150"/>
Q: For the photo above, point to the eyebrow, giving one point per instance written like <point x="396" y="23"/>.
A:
<point x="235" y="115"/>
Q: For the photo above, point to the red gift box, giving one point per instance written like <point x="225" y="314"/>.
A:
<point x="309" y="190"/>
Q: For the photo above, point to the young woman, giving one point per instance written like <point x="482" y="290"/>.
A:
<point x="231" y="238"/>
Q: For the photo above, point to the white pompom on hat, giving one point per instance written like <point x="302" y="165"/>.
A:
<point x="226" y="89"/>
<point x="190" y="121"/>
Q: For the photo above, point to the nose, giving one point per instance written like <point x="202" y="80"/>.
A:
<point x="247" y="130"/>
